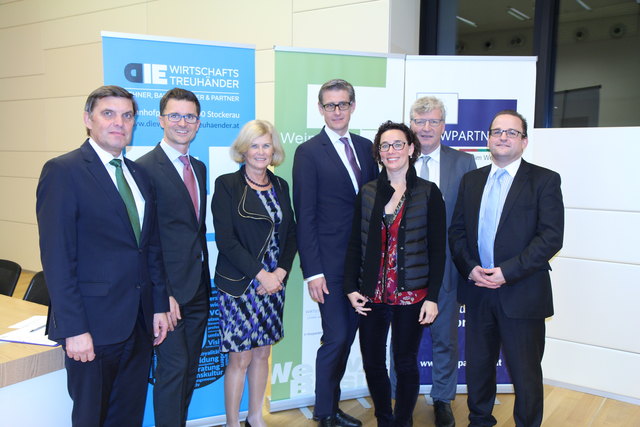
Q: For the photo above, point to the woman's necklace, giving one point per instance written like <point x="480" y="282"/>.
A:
<point x="255" y="183"/>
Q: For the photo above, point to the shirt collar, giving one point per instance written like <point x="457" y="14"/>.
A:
<point x="511" y="168"/>
<point x="334" y="137"/>
<point x="105" y="156"/>
<point x="434" y="155"/>
<point x="171" y="152"/>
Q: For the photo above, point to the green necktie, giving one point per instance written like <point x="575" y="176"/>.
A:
<point x="127" y="197"/>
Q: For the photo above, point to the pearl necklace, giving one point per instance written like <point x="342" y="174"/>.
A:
<point x="255" y="183"/>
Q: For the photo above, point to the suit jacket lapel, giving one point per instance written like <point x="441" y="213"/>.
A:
<point x="362" y="154"/>
<point x="445" y="170"/>
<point x="145" y="190"/>
<point x="99" y="172"/>
<point x="250" y="204"/>
<point x="334" y="158"/>
<point x="522" y="176"/>
<point x="476" y="200"/>
<point x="201" y="176"/>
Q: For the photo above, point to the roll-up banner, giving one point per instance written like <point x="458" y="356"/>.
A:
<point x="473" y="89"/>
<point x="223" y="78"/>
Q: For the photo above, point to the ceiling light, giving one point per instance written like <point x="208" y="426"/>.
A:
<point x="517" y="14"/>
<point x="466" y="21"/>
<point x="583" y="4"/>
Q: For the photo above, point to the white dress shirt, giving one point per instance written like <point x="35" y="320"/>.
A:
<point x="105" y="158"/>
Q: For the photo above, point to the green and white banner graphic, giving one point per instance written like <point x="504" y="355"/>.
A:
<point x="379" y="85"/>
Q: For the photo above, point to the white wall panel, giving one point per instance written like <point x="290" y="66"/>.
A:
<point x="596" y="303"/>
<point x="599" y="166"/>
<point x="602" y="235"/>
<point x="595" y="368"/>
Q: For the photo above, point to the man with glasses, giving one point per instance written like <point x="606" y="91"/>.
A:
<point x="100" y="253"/>
<point x="179" y="181"/>
<point x="507" y="224"/>
<point x="328" y="171"/>
<point x="445" y="167"/>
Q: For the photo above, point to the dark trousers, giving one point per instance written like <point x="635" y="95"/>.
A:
<point x="487" y="327"/>
<point x="339" y="326"/>
<point x="111" y="390"/>
<point x="177" y="362"/>
<point x="406" y="334"/>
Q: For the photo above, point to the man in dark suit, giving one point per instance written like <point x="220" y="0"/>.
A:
<point x="179" y="181"/>
<point x="328" y="171"/>
<point x="101" y="256"/>
<point x="508" y="223"/>
<point x="445" y="167"/>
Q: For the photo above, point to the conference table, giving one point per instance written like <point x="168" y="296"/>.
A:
<point x="33" y="388"/>
<point x="20" y="362"/>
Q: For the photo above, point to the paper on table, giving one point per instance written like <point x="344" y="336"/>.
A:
<point x="30" y="331"/>
<point x="32" y="322"/>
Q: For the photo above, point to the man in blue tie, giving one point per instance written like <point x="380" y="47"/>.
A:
<point x="101" y="257"/>
<point x="507" y="224"/>
<point x="444" y="166"/>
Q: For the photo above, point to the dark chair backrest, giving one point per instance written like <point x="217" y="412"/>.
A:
<point x="37" y="291"/>
<point x="9" y="275"/>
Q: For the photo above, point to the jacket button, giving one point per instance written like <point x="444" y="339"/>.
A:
<point x="402" y="248"/>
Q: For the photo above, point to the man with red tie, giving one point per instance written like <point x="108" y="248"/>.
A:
<point x="179" y="181"/>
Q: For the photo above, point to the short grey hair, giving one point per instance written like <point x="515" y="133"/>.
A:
<point x="427" y="104"/>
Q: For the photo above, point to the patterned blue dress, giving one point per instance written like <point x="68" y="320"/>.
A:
<point x="253" y="320"/>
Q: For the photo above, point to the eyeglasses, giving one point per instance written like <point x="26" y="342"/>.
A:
<point x="511" y="133"/>
<point x="432" y="122"/>
<point x="342" y="106"/>
<point x="396" y="146"/>
<point x="175" y="117"/>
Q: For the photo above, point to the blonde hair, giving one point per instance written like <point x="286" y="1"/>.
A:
<point x="249" y="132"/>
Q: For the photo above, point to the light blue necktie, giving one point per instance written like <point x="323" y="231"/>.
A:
<point x="488" y="226"/>
<point x="424" y="171"/>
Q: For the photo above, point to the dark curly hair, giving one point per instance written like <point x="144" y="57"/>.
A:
<point x="412" y="139"/>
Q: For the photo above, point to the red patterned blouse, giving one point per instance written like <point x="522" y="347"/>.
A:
<point x="387" y="286"/>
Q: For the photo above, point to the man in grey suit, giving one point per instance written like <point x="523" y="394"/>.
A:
<point x="179" y="181"/>
<point x="445" y="167"/>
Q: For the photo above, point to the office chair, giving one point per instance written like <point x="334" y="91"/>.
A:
<point x="9" y="274"/>
<point x="37" y="291"/>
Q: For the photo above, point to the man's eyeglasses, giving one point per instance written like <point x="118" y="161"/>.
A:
<point x="396" y="146"/>
<point x="175" y="117"/>
<point x="511" y="133"/>
<point x="342" y="106"/>
<point x="432" y="122"/>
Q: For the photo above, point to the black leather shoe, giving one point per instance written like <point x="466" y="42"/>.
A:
<point x="444" y="415"/>
<point x="345" y="420"/>
<point x="327" y="422"/>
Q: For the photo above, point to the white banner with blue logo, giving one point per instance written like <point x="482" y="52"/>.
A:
<point x="473" y="89"/>
<point x="223" y="78"/>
